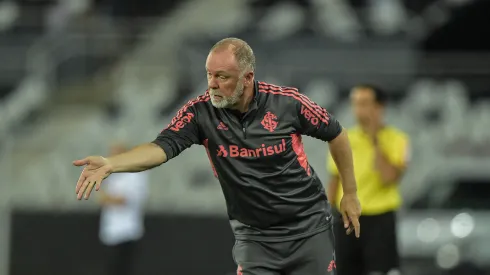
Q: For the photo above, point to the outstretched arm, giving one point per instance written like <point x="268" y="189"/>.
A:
<point x="97" y="168"/>
<point x="180" y="134"/>
<point x="140" y="158"/>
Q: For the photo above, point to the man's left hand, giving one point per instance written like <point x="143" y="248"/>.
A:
<point x="350" y="208"/>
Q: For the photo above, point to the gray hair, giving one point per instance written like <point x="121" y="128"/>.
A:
<point x="242" y="51"/>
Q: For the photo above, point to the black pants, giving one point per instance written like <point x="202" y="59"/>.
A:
<point x="121" y="258"/>
<point x="375" y="252"/>
<point x="313" y="255"/>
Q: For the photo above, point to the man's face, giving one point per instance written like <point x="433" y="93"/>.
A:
<point x="365" y="107"/>
<point x="225" y="82"/>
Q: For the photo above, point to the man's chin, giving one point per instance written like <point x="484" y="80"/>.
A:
<point x="219" y="104"/>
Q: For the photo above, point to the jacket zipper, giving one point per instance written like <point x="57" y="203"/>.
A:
<point x="244" y="130"/>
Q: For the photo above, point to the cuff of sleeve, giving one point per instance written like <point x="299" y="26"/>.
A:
<point x="337" y="133"/>
<point x="165" y="147"/>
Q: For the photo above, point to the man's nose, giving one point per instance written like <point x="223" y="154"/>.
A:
<point x="213" y="83"/>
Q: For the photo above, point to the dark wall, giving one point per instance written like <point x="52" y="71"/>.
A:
<point x="45" y="243"/>
<point x="466" y="31"/>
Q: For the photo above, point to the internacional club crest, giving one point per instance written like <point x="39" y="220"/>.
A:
<point x="269" y="122"/>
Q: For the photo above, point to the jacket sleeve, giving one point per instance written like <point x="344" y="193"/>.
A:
<point x="182" y="132"/>
<point x="314" y="120"/>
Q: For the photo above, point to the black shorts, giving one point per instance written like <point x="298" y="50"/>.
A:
<point x="375" y="252"/>
<point x="313" y="255"/>
<point x="121" y="258"/>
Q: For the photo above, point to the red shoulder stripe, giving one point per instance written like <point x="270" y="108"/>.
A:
<point x="318" y="111"/>
<point x="190" y="103"/>
<point x="295" y="91"/>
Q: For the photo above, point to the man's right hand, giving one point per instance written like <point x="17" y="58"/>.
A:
<point x="96" y="169"/>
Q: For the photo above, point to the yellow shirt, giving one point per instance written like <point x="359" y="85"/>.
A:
<point x="375" y="196"/>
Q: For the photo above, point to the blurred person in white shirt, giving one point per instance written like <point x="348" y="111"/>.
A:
<point x="122" y="218"/>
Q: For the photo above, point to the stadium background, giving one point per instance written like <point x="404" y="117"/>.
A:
<point x="77" y="75"/>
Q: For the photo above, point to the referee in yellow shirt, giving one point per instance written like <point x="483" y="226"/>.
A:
<point x="380" y="154"/>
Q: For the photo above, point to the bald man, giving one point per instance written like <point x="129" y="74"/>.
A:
<point x="252" y="132"/>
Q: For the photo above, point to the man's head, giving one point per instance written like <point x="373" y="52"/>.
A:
<point x="368" y="102"/>
<point x="230" y="68"/>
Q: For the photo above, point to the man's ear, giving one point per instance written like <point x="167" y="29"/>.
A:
<point x="249" y="78"/>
